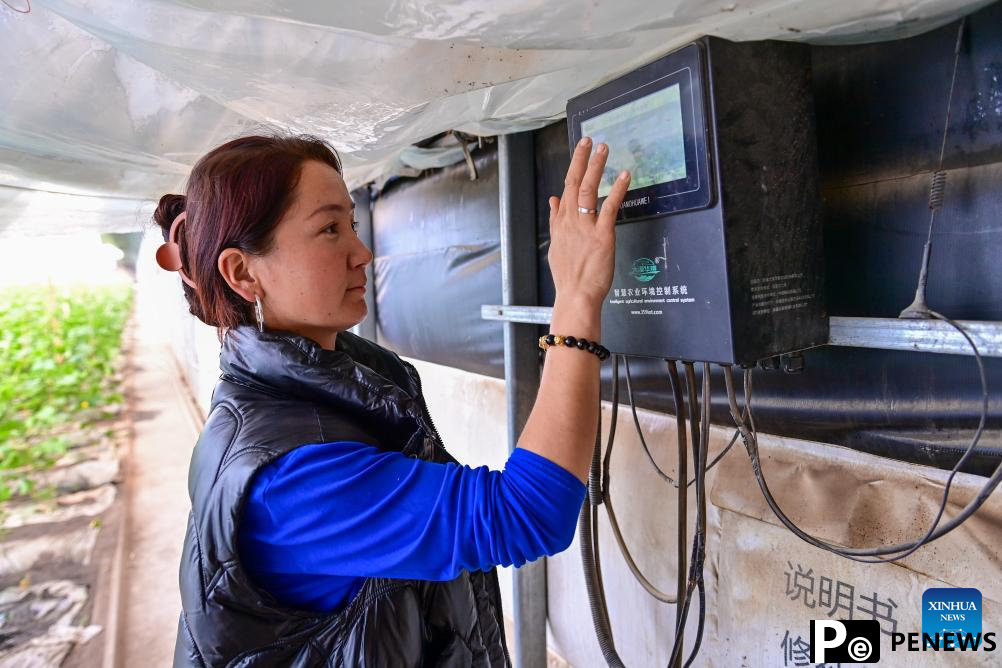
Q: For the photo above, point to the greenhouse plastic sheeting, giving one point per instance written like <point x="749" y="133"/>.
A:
<point x="118" y="99"/>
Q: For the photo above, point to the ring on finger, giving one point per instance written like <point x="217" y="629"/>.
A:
<point x="582" y="209"/>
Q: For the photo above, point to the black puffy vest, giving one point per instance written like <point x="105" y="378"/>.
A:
<point x="277" y="392"/>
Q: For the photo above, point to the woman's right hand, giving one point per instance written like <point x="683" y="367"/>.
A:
<point x="583" y="245"/>
<point x="561" y="426"/>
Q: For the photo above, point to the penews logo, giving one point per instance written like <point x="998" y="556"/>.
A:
<point x="951" y="622"/>
<point x="845" y="641"/>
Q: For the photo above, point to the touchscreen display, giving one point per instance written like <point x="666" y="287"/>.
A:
<point x="644" y="136"/>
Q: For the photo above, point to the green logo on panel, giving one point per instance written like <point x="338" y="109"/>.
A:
<point x="644" y="269"/>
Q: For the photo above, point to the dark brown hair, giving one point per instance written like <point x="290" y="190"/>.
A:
<point x="236" y="195"/>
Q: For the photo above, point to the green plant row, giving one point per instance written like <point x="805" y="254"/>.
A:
<point x="59" y="354"/>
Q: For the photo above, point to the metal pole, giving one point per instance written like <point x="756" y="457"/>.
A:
<point x="517" y="200"/>
<point x="363" y="214"/>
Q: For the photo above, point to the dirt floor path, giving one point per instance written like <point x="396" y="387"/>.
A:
<point x="166" y="427"/>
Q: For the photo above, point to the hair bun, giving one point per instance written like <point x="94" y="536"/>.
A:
<point x="169" y="208"/>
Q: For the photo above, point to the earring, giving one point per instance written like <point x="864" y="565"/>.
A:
<point x="259" y="313"/>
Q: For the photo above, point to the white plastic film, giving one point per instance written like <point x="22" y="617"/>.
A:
<point x="118" y="100"/>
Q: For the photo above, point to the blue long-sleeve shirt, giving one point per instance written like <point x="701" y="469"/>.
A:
<point x="323" y="517"/>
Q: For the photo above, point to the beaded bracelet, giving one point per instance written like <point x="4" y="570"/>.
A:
<point x="572" y="342"/>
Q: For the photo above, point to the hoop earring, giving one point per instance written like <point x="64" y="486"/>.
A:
<point x="259" y="313"/>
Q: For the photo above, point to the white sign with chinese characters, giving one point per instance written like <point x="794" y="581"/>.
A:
<point x="766" y="584"/>
<point x="776" y="584"/>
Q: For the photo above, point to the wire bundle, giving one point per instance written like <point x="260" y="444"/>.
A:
<point x="887" y="553"/>
<point x="599" y="493"/>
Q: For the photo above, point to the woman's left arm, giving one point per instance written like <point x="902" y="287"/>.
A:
<point x="350" y="509"/>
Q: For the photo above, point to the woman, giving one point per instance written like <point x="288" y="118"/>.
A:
<point x="328" y="525"/>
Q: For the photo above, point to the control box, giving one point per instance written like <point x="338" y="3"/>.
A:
<point x="718" y="241"/>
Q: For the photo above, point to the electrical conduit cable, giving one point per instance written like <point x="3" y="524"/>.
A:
<point x="696" y="438"/>
<point x="750" y="439"/>
<point x="606" y="493"/>
<point x="701" y="468"/>
<point x="599" y="489"/>
<point x="683" y="513"/>
<point x="683" y="527"/>
<point x="590" y="551"/>
<point x="599" y="493"/>
<point x="640" y="432"/>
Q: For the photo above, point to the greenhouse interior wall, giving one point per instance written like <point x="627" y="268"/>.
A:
<point x="859" y="443"/>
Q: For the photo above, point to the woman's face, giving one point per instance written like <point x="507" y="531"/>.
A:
<point x="312" y="280"/>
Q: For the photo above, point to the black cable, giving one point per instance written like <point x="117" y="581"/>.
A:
<point x="914" y="545"/>
<point x="720" y="455"/>
<point x="682" y="516"/>
<point x="628" y="557"/>
<point x="682" y="612"/>
<point x="599" y="493"/>
<point x="607" y="499"/>
<point x="675" y="384"/>
<point x="676" y="650"/>
<point x="592" y="568"/>
<point x="693" y="403"/>
<point x="727" y="448"/>
<point x="606" y="462"/>
<point x="701" y="456"/>
<point x="640" y="432"/>
<point x="599" y="613"/>
<point x="935" y="531"/>
<point x="699" y="424"/>
<point x="701" y="589"/>
<point x="596" y="550"/>
<point x="595" y="469"/>
<point x="596" y="544"/>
